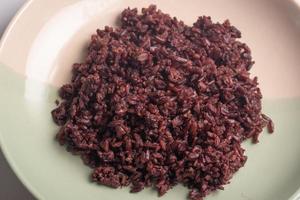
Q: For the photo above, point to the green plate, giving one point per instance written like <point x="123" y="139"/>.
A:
<point x="46" y="37"/>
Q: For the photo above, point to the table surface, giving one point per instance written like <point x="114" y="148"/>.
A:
<point x="11" y="188"/>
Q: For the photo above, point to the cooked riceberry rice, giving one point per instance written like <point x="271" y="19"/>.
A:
<point x="157" y="103"/>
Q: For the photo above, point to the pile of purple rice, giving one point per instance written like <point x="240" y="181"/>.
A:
<point x="157" y="103"/>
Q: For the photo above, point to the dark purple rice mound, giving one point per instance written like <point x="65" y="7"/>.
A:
<point x="157" y="103"/>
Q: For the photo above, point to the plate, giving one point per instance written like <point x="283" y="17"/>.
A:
<point x="46" y="37"/>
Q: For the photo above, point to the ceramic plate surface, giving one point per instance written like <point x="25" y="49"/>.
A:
<point x="47" y="36"/>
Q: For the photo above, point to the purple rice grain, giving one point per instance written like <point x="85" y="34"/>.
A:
<point x="157" y="103"/>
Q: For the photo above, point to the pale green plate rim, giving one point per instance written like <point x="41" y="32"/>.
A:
<point x="9" y="159"/>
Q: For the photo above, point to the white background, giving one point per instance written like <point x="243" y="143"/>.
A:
<point x="10" y="186"/>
